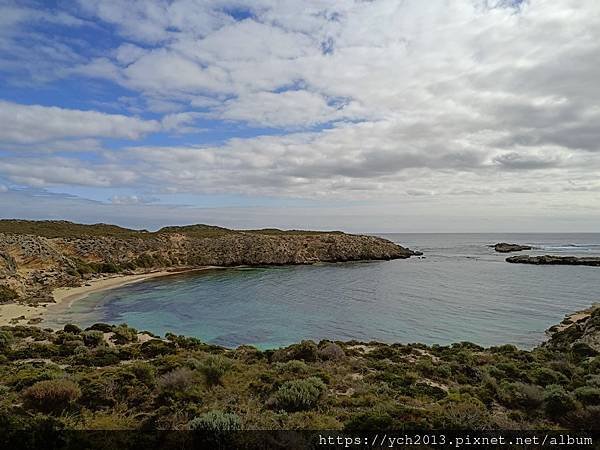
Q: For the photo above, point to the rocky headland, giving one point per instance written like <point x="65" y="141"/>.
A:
<point x="555" y="260"/>
<point x="503" y="247"/>
<point x="37" y="257"/>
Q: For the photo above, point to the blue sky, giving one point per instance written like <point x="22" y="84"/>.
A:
<point x="362" y="116"/>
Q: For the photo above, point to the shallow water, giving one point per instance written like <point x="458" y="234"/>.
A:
<point x="461" y="291"/>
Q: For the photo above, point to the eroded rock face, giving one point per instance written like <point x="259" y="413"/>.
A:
<point x="503" y="247"/>
<point x="33" y="265"/>
<point x="554" y="260"/>
<point x="579" y="332"/>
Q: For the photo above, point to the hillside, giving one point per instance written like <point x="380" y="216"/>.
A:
<point x="36" y="257"/>
<point x="112" y="377"/>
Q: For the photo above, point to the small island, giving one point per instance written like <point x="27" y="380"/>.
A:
<point x="555" y="260"/>
<point x="503" y="247"/>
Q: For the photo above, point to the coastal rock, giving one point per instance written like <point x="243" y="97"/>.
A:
<point x="554" y="260"/>
<point x="503" y="247"/>
<point x="578" y="332"/>
<point x="37" y="257"/>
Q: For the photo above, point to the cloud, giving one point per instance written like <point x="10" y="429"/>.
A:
<point x="34" y="123"/>
<point x="130" y="200"/>
<point x="354" y="100"/>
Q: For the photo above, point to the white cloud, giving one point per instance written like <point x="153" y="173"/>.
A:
<point x="422" y="99"/>
<point x="35" y="123"/>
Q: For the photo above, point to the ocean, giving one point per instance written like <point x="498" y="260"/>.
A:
<point x="460" y="290"/>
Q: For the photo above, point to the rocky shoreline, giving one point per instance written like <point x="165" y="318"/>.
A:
<point x="555" y="260"/>
<point x="37" y="257"/>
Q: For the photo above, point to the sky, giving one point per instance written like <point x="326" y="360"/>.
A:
<point x="355" y="115"/>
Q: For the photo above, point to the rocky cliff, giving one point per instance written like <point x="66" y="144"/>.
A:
<point x="36" y="257"/>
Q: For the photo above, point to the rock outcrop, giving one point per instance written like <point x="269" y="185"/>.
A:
<point x="36" y="257"/>
<point x="554" y="260"/>
<point x="503" y="247"/>
<point x="578" y="332"/>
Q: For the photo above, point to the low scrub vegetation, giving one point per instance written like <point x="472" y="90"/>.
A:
<point x="105" y="377"/>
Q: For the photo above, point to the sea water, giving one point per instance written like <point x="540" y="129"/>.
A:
<point x="460" y="290"/>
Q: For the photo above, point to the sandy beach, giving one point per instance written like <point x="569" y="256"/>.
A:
<point x="65" y="297"/>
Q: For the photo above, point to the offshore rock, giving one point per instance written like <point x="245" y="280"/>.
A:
<point x="555" y="260"/>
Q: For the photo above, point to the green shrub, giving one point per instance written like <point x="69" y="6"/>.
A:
<point x="92" y="338"/>
<point x="330" y="351"/>
<point x="293" y="366"/>
<point x="520" y="395"/>
<point x="51" y="395"/>
<point x="463" y="412"/>
<point x="178" y="380"/>
<point x="304" y="351"/>
<point x="583" y="350"/>
<point x="588" y="395"/>
<point x="157" y="347"/>
<point x="124" y="334"/>
<point x="213" y="368"/>
<point x="71" y="328"/>
<point x="6" y="339"/>
<point x="7" y="294"/>
<point x="545" y="376"/>
<point x="369" y="421"/>
<point x="216" y="421"/>
<point x="557" y="401"/>
<point x="299" y="395"/>
<point x="103" y="327"/>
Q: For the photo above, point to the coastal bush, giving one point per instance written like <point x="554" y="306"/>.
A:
<point x="304" y="351"/>
<point x="6" y="339"/>
<point x="216" y="421"/>
<point x="71" y="328"/>
<point x="177" y="380"/>
<point x="100" y="357"/>
<point x="520" y="395"/>
<point x="583" y="350"/>
<point x="30" y="373"/>
<point x="369" y="421"/>
<point x="7" y="294"/>
<point x="124" y="334"/>
<point x="330" y="351"/>
<point x="157" y="347"/>
<point x="51" y="395"/>
<point x="588" y="395"/>
<point x="103" y="327"/>
<point x="299" y="395"/>
<point x="545" y="376"/>
<point x="143" y="372"/>
<point x="557" y="401"/>
<point x="92" y="338"/>
<point x="293" y="366"/>
<point x="104" y="267"/>
<point x="213" y="368"/>
<point x="462" y="412"/>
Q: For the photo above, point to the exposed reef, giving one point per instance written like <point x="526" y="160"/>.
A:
<point x="554" y="260"/>
<point x="503" y="247"/>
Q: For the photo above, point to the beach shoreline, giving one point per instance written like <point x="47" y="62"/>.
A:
<point x="64" y="297"/>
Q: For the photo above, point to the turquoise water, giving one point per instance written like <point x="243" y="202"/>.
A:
<point x="460" y="291"/>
